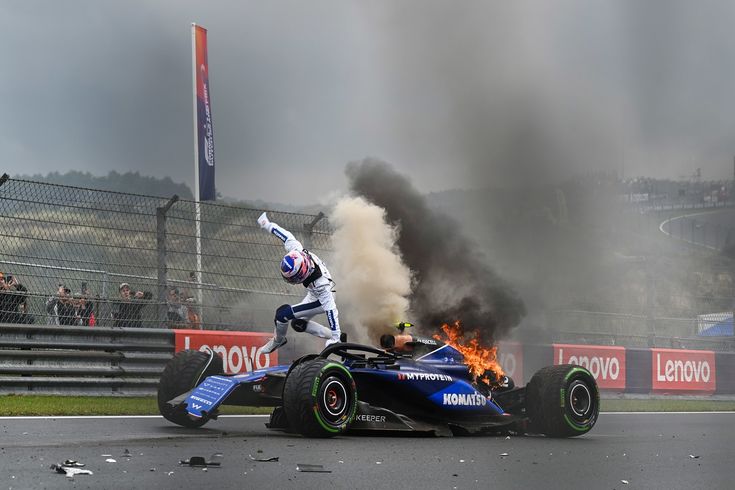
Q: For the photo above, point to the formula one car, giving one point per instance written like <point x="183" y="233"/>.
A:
<point x="411" y="384"/>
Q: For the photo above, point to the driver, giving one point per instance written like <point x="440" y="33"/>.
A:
<point x="299" y="266"/>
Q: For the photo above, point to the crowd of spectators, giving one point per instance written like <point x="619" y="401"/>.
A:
<point x="65" y="308"/>
<point x="128" y="310"/>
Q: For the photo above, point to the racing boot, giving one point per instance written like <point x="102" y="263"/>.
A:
<point x="273" y="344"/>
<point x="336" y="337"/>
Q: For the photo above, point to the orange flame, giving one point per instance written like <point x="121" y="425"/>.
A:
<point x="479" y="359"/>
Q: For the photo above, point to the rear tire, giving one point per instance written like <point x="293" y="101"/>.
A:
<point x="320" y="398"/>
<point x="183" y="373"/>
<point x="562" y="401"/>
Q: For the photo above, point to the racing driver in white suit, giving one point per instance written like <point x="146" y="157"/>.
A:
<point x="299" y="266"/>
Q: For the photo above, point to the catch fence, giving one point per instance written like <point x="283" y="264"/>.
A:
<point x="71" y="247"/>
<point x="91" y="241"/>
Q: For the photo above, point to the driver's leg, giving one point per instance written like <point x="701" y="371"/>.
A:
<point x="303" y="313"/>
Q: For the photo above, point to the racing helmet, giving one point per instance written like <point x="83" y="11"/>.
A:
<point x="296" y="266"/>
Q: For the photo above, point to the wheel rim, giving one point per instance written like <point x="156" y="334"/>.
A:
<point x="334" y="401"/>
<point x="580" y="400"/>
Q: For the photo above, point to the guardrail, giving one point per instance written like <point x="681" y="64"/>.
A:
<point x="81" y="360"/>
<point x="37" y="359"/>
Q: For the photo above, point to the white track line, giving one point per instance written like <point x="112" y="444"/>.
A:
<point x="671" y="220"/>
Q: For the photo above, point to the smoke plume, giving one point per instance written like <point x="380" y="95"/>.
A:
<point x="372" y="279"/>
<point x="452" y="278"/>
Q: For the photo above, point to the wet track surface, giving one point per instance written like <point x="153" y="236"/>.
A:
<point x="647" y="450"/>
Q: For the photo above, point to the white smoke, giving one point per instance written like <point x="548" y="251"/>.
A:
<point x="373" y="283"/>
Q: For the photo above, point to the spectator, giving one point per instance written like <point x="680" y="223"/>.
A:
<point x="129" y="307"/>
<point x="187" y="294"/>
<point x="188" y="297"/>
<point x="177" y="313"/>
<point x="13" y="296"/>
<point x="84" y="311"/>
<point x="60" y="308"/>
<point x="25" y="314"/>
<point x="89" y="314"/>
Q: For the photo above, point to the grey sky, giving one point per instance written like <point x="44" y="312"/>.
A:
<point x="454" y="94"/>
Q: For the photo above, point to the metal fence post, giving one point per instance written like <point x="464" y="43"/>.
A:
<point x="162" y="267"/>
<point x="309" y="230"/>
<point x="650" y="302"/>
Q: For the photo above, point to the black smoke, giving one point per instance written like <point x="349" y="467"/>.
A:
<point x="453" y="280"/>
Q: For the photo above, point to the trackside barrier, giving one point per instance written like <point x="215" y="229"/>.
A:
<point x="629" y="370"/>
<point x="41" y="359"/>
<point x="129" y="361"/>
<point x="49" y="359"/>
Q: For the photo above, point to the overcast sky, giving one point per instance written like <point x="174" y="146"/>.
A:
<point x="454" y="94"/>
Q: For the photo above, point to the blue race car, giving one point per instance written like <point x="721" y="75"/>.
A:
<point x="411" y="384"/>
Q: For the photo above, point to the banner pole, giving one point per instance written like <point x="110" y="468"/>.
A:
<point x="197" y="206"/>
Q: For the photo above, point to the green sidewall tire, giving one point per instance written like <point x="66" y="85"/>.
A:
<point x="562" y="401"/>
<point x="306" y="396"/>
<point x="182" y="373"/>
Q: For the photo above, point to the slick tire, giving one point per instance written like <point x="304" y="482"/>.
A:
<point x="183" y="373"/>
<point x="562" y="401"/>
<point x="320" y="398"/>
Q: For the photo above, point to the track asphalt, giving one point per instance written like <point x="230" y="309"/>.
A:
<point x="646" y="450"/>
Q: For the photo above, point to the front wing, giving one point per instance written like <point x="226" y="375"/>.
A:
<point x="261" y="388"/>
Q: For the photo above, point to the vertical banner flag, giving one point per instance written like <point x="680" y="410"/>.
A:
<point x="203" y="116"/>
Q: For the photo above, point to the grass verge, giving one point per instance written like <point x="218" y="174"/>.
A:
<point x="40" y="405"/>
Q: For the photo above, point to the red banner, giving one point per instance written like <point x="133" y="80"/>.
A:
<point x="607" y="364"/>
<point x="510" y="357"/>
<point x="683" y="370"/>
<point x="241" y="351"/>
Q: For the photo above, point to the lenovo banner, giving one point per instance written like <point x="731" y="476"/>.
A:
<point x="510" y="357"/>
<point x="683" y="370"/>
<point x="607" y="364"/>
<point x="241" y="351"/>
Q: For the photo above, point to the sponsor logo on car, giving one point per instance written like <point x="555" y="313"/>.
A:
<point x="607" y="364"/>
<point x="200" y="399"/>
<point x="424" y="377"/>
<point x="683" y="370"/>
<point x="464" y="399"/>
<point x="422" y="340"/>
<point x="370" y="418"/>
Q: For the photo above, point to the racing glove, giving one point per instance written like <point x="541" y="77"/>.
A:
<point x="264" y="222"/>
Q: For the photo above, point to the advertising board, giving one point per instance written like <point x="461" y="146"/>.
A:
<point x="241" y="351"/>
<point x="606" y="363"/>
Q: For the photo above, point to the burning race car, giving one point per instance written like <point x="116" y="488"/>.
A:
<point x="411" y="384"/>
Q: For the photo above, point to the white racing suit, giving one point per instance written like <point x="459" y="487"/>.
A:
<point x="319" y="297"/>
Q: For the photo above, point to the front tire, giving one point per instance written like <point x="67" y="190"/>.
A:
<point x="320" y="398"/>
<point x="183" y="373"/>
<point x="562" y="401"/>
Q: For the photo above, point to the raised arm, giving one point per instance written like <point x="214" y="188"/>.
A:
<point x="289" y="241"/>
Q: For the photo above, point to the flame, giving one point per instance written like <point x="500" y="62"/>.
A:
<point x="478" y="358"/>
